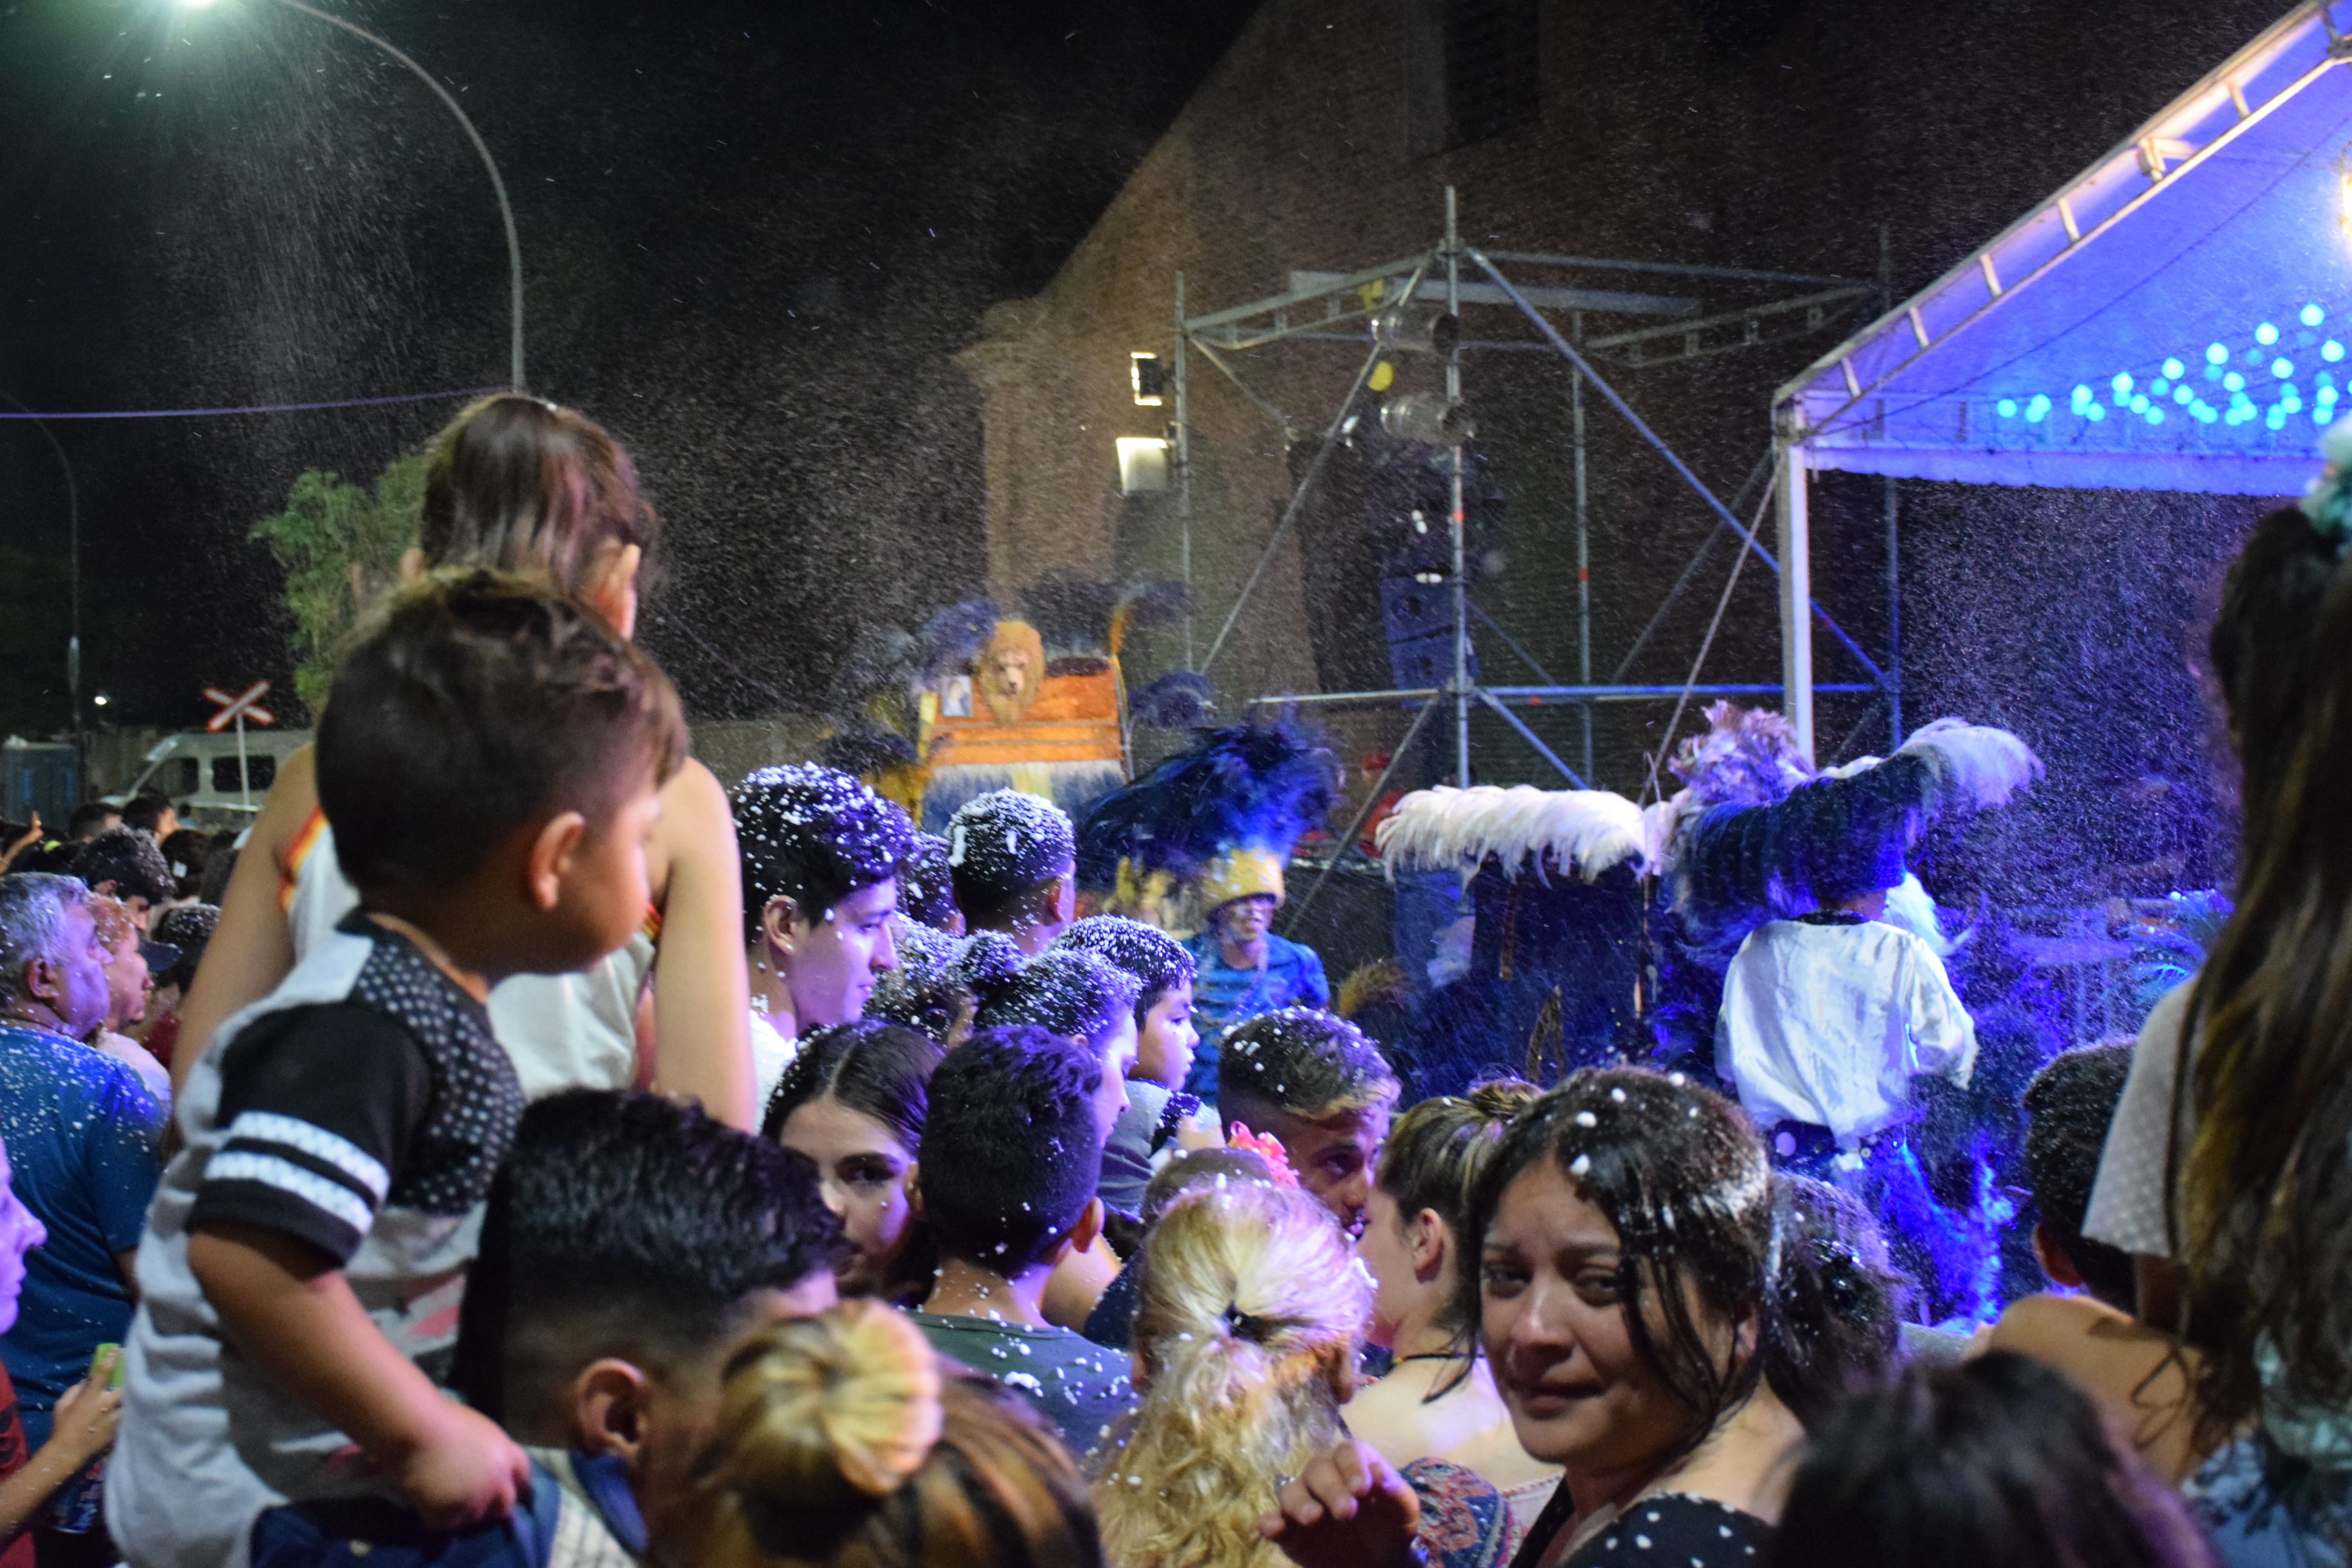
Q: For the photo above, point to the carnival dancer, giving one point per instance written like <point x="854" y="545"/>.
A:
<point x="1198" y="847"/>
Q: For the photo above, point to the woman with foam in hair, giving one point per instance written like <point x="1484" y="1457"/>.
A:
<point x="1620" y="1240"/>
<point x="1440" y="1400"/>
<point x="1245" y="1337"/>
<point x="843" y="1441"/>
<point x="529" y="488"/>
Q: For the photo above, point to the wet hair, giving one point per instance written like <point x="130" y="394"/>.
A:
<point x="628" y="1223"/>
<point x="89" y="819"/>
<point x="186" y="853"/>
<point x="1682" y="1176"/>
<point x="926" y="889"/>
<point x="877" y="1068"/>
<point x="924" y="992"/>
<point x="1999" y="1459"/>
<point x="479" y="706"/>
<point x="1305" y="1063"/>
<point x="1011" y="1150"/>
<point x="2068" y="1108"/>
<point x="1158" y="962"/>
<point x="1247" y="1314"/>
<point x="129" y="859"/>
<point x="814" y="835"/>
<point x="2264" y="1184"/>
<point x="189" y="928"/>
<point x="32" y="906"/>
<point x="845" y="1441"/>
<point x="523" y="486"/>
<point x="1433" y="1158"/>
<point x="1005" y="848"/>
<point x="1066" y="990"/>
<point x="144" y="811"/>
<point x="1835" y="1327"/>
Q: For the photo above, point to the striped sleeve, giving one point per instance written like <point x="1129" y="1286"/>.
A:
<point x="318" y="1104"/>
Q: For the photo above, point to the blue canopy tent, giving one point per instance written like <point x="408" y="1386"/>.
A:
<point x="2178" y="317"/>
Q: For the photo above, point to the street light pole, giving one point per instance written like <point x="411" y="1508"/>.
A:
<point x="73" y="577"/>
<point x="498" y="182"/>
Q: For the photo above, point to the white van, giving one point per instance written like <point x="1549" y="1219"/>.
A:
<point x="200" y="773"/>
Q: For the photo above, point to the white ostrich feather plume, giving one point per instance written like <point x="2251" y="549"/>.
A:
<point x="1975" y="764"/>
<point x="1444" y="828"/>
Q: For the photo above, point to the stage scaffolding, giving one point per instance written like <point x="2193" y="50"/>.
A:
<point x="1347" y="308"/>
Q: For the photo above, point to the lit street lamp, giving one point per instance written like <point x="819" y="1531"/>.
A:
<point x="498" y="182"/>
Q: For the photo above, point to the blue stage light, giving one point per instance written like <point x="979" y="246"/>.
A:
<point x="2266" y="334"/>
<point x="2282" y="368"/>
<point x="2313" y="315"/>
<point x="2139" y="404"/>
<point x="2175" y="369"/>
<point x="2234" y="382"/>
<point x="2331" y="350"/>
<point x="2159" y="387"/>
<point x="2038" y="410"/>
<point x="2217" y="353"/>
<point x="2275" y="420"/>
<point x="2155" y="415"/>
<point x="2122" y="382"/>
<point x="2096" y="413"/>
<point x="2006" y="408"/>
<point x="2181" y="394"/>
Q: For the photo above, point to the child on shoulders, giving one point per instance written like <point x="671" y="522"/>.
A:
<point x="489" y="757"/>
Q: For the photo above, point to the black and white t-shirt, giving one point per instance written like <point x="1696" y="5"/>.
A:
<point x="363" y="1108"/>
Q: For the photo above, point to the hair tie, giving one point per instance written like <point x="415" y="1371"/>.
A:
<point x="2328" y="500"/>
<point x="1245" y="1325"/>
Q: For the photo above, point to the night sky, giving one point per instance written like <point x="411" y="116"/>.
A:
<point x="752" y="236"/>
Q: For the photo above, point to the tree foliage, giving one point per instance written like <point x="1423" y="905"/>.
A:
<point x="340" y="547"/>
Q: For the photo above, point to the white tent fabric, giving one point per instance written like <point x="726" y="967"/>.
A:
<point x="2178" y="317"/>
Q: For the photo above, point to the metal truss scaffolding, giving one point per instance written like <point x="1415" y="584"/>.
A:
<point x="1346" y="307"/>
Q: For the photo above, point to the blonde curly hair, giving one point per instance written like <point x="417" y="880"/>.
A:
<point x="1247" y="1322"/>
<point x="841" y="1441"/>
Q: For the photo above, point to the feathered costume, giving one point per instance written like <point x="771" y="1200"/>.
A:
<point x="1754" y="835"/>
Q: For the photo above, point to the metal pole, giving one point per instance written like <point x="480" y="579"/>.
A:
<point x="243" y="773"/>
<point x="1894" y="615"/>
<point x="498" y="182"/>
<point x="1584" y="546"/>
<point x="73" y="588"/>
<point x="1796" y="596"/>
<point x="1184" y="471"/>
<point x="1456" y="524"/>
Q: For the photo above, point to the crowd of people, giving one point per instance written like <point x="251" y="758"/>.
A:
<point x="520" y="1151"/>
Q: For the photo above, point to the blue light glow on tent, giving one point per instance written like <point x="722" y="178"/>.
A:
<point x="2175" y="317"/>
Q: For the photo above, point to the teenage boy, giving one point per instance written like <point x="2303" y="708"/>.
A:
<point x="490" y="758"/>
<point x="1161" y="1119"/>
<point x="631" y="1246"/>
<point x="1012" y="859"/>
<point x="1314" y="1081"/>
<point x="1010" y="1153"/>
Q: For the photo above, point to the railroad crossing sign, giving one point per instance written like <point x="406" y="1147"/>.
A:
<point x="236" y="709"/>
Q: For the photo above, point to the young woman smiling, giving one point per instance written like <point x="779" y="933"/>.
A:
<point x="1620" y="1238"/>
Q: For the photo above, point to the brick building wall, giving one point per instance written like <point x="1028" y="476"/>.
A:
<point x="1781" y="134"/>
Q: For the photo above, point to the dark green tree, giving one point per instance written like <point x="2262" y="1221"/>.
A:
<point x="341" y="546"/>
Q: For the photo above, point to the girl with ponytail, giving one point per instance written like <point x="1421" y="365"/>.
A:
<point x="841" y="1441"/>
<point x="1245" y="1335"/>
